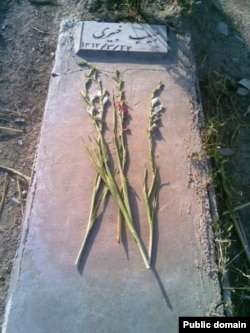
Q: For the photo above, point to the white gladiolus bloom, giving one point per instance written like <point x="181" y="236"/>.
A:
<point x="105" y="99"/>
<point x="154" y="126"/>
<point x="100" y="111"/>
<point x="154" y="101"/>
<point x="98" y="117"/>
<point x="158" y="108"/>
<point x="90" y="110"/>
<point x="155" y="113"/>
<point x="92" y="97"/>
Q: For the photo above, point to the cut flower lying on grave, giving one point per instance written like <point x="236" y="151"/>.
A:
<point x="101" y="162"/>
<point x="95" y="109"/>
<point x="150" y="193"/>
<point x="120" y="113"/>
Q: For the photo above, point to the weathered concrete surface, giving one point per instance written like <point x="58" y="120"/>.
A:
<point x="112" y="292"/>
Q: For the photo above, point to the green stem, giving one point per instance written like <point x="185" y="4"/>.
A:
<point x="150" y="199"/>
<point x="121" y="153"/>
<point x="108" y="179"/>
<point x="94" y="207"/>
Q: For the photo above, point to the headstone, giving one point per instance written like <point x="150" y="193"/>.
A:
<point x="120" y="38"/>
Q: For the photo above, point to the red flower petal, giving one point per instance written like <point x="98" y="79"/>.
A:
<point x="117" y="105"/>
<point x="126" y="129"/>
<point x="124" y="110"/>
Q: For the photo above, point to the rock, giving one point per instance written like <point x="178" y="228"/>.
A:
<point x="226" y="152"/>
<point x="223" y="28"/>
<point x="19" y="120"/>
<point x="245" y="83"/>
<point x="217" y="4"/>
<point x="239" y="39"/>
<point x="24" y="194"/>
<point x="235" y="60"/>
<point x="15" y="201"/>
<point x="242" y="91"/>
<point x="247" y="112"/>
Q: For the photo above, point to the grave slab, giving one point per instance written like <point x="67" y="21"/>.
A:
<point x="111" y="291"/>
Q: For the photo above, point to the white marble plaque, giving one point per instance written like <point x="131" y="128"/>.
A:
<point x="122" y="37"/>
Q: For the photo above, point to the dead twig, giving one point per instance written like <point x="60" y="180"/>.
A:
<point x="10" y="130"/>
<point x="41" y="31"/>
<point x="15" y="172"/>
<point x="5" y="188"/>
<point x="236" y="208"/>
<point x="20" y="194"/>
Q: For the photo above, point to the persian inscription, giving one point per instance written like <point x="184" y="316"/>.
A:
<point x="125" y="37"/>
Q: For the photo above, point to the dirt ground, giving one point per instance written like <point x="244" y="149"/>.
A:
<point x="28" y="39"/>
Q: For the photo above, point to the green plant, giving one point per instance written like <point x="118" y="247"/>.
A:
<point x="224" y="124"/>
<point x="133" y="6"/>
<point x="185" y="3"/>
<point x="4" y="5"/>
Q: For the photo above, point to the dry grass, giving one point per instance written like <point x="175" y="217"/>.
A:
<point x="225" y="119"/>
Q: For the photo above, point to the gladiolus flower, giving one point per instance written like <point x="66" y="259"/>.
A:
<point x="158" y="108"/>
<point x="155" y="101"/>
<point x="153" y="127"/>
<point x="98" y="117"/>
<point x="100" y="111"/>
<point x="105" y="99"/>
<point x="124" y="110"/>
<point x="117" y="105"/>
<point x="153" y="114"/>
<point x="92" y="97"/>
<point x="126" y="129"/>
<point x="91" y="110"/>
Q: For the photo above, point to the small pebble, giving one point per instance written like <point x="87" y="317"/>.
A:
<point x="223" y="28"/>
<point x="245" y="83"/>
<point x="239" y="39"/>
<point x="242" y="91"/>
<point x="15" y="201"/>
<point x="19" y="120"/>
<point x="226" y="152"/>
<point x="24" y="194"/>
<point x="235" y="60"/>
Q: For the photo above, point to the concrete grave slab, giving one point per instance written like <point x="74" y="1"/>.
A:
<point x="112" y="292"/>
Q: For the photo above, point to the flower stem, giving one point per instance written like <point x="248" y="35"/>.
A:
<point x="107" y="177"/>
<point x="151" y="194"/>
<point x="94" y="207"/>
<point x="100" y="160"/>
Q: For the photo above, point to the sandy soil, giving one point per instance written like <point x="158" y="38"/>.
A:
<point x="28" y="38"/>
